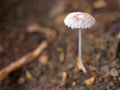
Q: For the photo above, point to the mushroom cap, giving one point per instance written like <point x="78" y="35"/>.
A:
<point x="79" y="20"/>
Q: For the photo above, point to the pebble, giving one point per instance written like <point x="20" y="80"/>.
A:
<point x="21" y="80"/>
<point x="73" y="83"/>
<point x="114" y="72"/>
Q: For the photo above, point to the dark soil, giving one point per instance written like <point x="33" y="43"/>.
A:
<point x="100" y="45"/>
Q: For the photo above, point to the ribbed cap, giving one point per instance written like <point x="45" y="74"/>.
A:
<point x="79" y="20"/>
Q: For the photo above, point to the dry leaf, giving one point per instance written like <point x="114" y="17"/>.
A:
<point x="78" y="64"/>
<point x="28" y="75"/>
<point x="61" y="56"/>
<point x="99" y="4"/>
<point x="64" y="77"/>
<point x="89" y="81"/>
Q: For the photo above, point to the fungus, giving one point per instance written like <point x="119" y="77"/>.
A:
<point x="79" y="20"/>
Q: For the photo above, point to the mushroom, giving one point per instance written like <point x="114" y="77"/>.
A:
<point x="79" y="20"/>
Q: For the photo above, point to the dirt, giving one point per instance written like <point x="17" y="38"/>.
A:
<point x="20" y="33"/>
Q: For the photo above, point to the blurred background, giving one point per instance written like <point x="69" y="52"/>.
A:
<point x="24" y="24"/>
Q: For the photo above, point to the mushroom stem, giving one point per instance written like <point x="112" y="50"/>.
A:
<point x="80" y="52"/>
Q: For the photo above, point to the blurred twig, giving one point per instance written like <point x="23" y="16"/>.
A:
<point x="48" y="32"/>
<point x="23" y="60"/>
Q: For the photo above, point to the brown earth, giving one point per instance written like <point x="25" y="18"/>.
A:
<point x="24" y="24"/>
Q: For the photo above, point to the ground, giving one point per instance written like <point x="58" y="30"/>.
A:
<point x="24" y="24"/>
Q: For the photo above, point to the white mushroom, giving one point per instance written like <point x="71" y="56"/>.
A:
<point x="79" y="20"/>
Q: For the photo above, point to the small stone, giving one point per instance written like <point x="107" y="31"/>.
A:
<point x="89" y="81"/>
<point x="118" y="35"/>
<point x="73" y="83"/>
<point x="21" y="80"/>
<point x="114" y="72"/>
<point x="105" y="68"/>
<point x="43" y="59"/>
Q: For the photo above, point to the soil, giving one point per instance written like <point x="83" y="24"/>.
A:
<point x="20" y="33"/>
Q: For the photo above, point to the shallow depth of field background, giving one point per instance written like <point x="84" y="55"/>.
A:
<point x="24" y="24"/>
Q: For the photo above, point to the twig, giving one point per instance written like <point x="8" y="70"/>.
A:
<point x="23" y="60"/>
